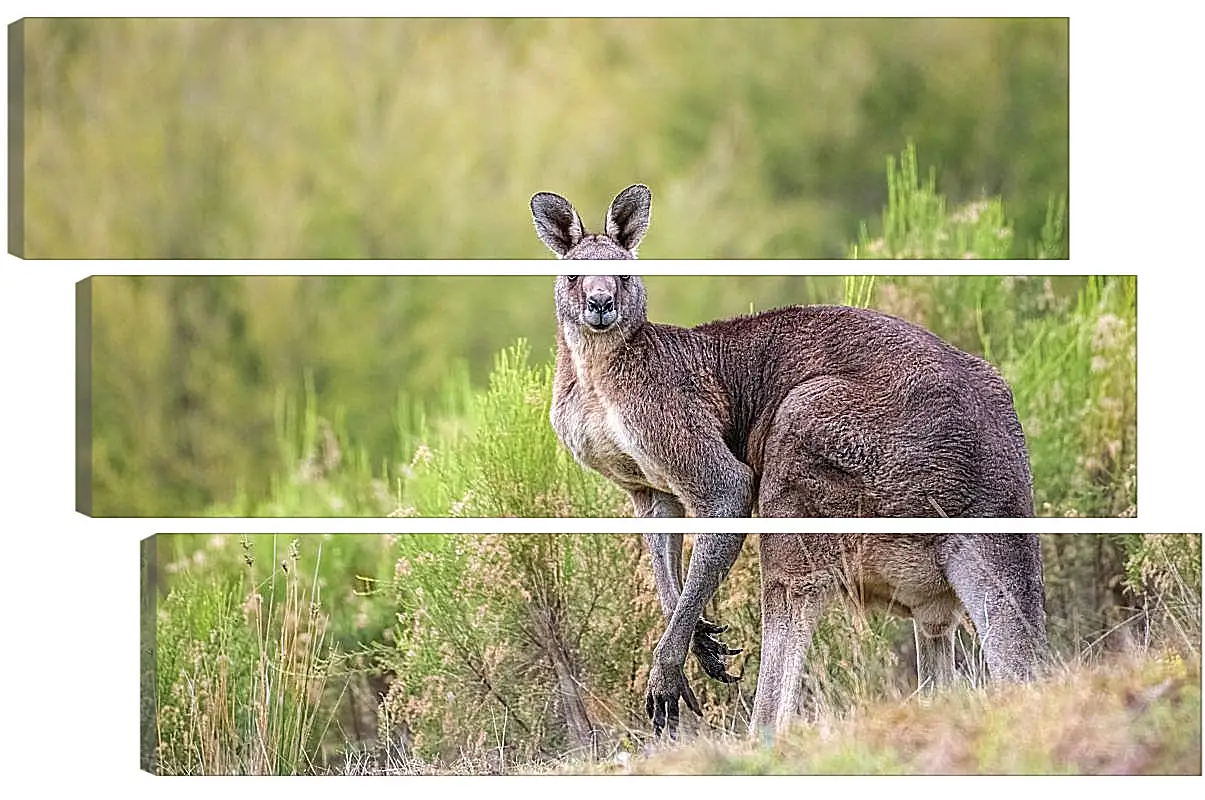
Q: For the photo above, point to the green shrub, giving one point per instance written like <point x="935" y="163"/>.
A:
<point x="508" y="461"/>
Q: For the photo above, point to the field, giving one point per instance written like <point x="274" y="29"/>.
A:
<point x="420" y="654"/>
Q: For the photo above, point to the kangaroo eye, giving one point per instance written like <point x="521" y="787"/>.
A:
<point x="571" y="278"/>
<point x="625" y="278"/>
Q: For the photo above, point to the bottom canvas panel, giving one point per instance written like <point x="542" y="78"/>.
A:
<point x="419" y="654"/>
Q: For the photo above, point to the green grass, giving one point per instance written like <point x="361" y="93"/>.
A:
<point x="917" y="224"/>
<point x="1075" y="387"/>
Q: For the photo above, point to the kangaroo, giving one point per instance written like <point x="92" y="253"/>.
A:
<point x="804" y="411"/>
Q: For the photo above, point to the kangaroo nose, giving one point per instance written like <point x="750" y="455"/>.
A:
<point x="600" y="303"/>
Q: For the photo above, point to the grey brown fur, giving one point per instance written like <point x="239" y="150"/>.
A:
<point x="813" y="411"/>
<point x="932" y="578"/>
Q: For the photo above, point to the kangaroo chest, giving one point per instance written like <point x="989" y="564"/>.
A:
<point x="603" y="438"/>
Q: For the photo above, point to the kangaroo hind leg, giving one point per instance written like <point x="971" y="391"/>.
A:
<point x="998" y="578"/>
<point x="934" y="625"/>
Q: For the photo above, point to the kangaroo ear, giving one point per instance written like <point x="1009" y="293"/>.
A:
<point x="628" y="216"/>
<point x="557" y="223"/>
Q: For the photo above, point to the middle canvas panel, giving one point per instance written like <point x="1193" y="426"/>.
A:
<point x="607" y="396"/>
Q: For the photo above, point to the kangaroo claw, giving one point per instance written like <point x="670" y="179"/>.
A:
<point x="711" y="652"/>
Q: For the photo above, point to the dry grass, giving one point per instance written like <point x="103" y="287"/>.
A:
<point x="1137" y="716"/>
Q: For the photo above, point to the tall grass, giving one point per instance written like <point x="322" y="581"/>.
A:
<point x="242" y="666"/>
<point x="1075" y="387"/>
<point x="916" y="223"/>
<point x="1164" y="573"/>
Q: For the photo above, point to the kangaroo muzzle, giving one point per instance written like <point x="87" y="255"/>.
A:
<point x="600" y="310"/>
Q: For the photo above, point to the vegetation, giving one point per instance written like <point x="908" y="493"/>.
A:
<point x="1135" y="716"/>
<point x="502" y="653"/>
<point x="255" y="664"/>
<point x="389" y="138"/>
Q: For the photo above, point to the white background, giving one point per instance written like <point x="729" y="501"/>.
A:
<point x="71" y="584"/>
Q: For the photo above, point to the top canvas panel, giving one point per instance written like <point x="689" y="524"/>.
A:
<point x="427" y="138"/>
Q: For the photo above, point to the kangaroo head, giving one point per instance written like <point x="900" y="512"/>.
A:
<point x="559" y="226"/>
<point x="600" y="305"/>
<point x="596" y="304"/>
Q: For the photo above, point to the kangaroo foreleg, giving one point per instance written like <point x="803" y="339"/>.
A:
<point x="710" y="561"/>
<point x="666" y="552"/>
<point x="664" y="548"/>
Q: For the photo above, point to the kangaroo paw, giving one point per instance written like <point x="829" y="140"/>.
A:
<point x="711" y="652"/>
<point x="667" y="685"/>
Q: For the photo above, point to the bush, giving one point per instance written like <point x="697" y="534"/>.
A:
<point x="515" y="647"/>
<point x="507" y="460"/>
